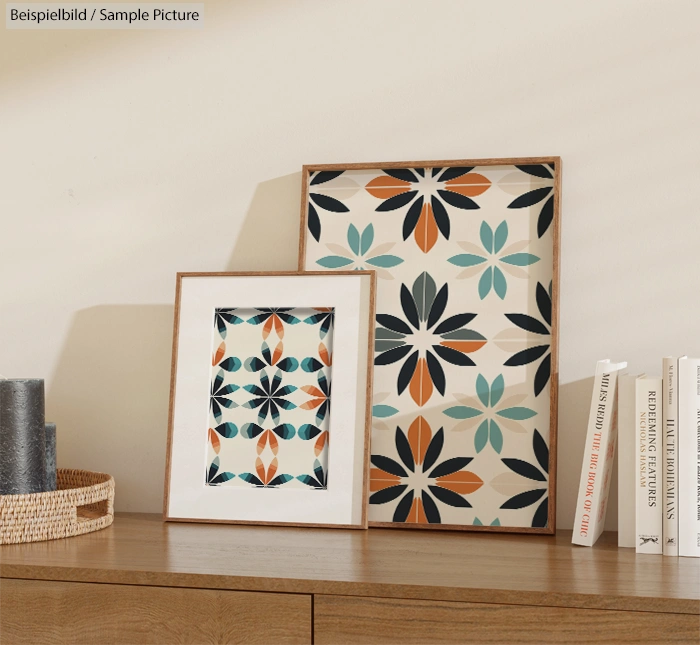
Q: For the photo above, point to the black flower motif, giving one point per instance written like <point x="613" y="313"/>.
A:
<point x="325" y="316"/>
<point x="535" y="474"/>
<point x="420" y="450"/>
<point x="270" y="396"/>
<point x="322" y="201"/>
<point x="214" y="477"/>
<point x="538" y="195"/>
<point x="218" y="395"/>
<point x="423" y="307"/>
<point x="224" y="316"/>
<point x="541" y="327"/>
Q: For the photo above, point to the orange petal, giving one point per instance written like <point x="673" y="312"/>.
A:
<point x="462" y="482"/>
<point x="384" y="187"/>
<point x="274" y="444"/>
<point x="417" y="515"/>
<point x="262" y="441"/>
<point x="214" y="440"/>
<point x="271" y="471"/>
<point x="469" y="185"/>
<point x="380" y="479"/>
<point x="324" y="355"/>
<point x="219" y="354"/>
<point x="277" y="353"/>
<point x="464" y="346"/>
<point x="421" y="386"/>
<point x="426" y="233"/>
<point x="321" y="443"/>
<point x="419" y="436"/>
<point x="313" y="391"/>
<point x="310" y="405"/>
<point x="279" y="328"/>
<point x="267" y="327"/>
<point x="260" y="469"/>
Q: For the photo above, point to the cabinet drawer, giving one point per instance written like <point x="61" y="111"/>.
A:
<point x="348" y="620"/>
<point x="34" y="611"/>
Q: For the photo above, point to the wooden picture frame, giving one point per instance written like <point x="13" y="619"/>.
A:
<point x="432" y="229"/>
<point x="266" y="353"/>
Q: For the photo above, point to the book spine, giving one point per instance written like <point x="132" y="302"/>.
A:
<point x="670" y="459"/>
<point x="649" y="519"/>
<point x="587" y="527"/>
<point x="626" y="449"/>
<point x="608" y="458"/>
<point x="689" y="457"/>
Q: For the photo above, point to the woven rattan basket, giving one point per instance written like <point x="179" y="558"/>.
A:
<point x="84" y="502"/>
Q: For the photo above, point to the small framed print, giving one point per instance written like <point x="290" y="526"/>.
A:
<point x="270" y="400"/>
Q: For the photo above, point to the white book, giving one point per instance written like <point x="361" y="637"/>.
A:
<point x="649" y="520"/>
<point x="598" y="455"/>
<point x="626" y="460"/>
<point x="670" y="455"/>
<point x="689" y="457"/>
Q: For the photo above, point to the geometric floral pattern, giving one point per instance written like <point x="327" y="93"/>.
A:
<point x="270" y="398"/>
<point x="463" y="336"/>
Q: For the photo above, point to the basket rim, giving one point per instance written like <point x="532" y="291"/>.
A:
<point x="99" y="480"/>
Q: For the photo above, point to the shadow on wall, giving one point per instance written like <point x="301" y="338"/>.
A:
<point x="109" y="396"/>
<point x="272" y="223"/>
<point x="574" y="406"/>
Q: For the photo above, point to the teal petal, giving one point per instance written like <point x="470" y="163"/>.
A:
<point x="485" y="282"/>
<point x="354" y="239"/>
<point x="497" y="388"/>
<point x="500" y="236"/>
<point x="334" y="261"/>
<point x="486" y="235"/>
<point x="462" y="412"/>
<point x="384" y="261"/>
<point x="383" y="411"/>
<point x="499" y="283"/>
<point x="516" y="414"/>
<point x="495" y="436"/>
<point x="520" y="259"/>
<point x="227" y="430"/>
<point x="477" y="522"/>
<point x="496" y="522"/>
<point x="481" y="438"/>
<point x="482" y="390"/>
<point x="367" y="239"/>
<point x="466" y="260"/>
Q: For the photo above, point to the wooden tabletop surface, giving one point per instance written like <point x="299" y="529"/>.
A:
<point x="503" y="568"/>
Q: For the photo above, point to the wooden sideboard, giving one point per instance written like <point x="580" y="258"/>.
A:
<point x="142" y="581"/>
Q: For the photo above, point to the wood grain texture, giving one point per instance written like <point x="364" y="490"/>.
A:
<point x="507" y="568"/>
<point x="368" y="391"/>
<point x="550" y="529"/>
<point x="74" y="612"/>
<point x="345" y="620"/>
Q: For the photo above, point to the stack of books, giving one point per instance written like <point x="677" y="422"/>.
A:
<point x="654" y="423"/>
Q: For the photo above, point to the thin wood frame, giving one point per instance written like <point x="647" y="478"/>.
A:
<point x="368" y="402"/>
<point x="555" y="295"/>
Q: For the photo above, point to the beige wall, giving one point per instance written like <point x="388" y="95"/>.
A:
<point x="127" y="156"/>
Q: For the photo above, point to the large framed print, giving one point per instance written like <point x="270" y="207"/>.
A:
<point x="465" y="363"/>
<point x="269" y="408"/>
